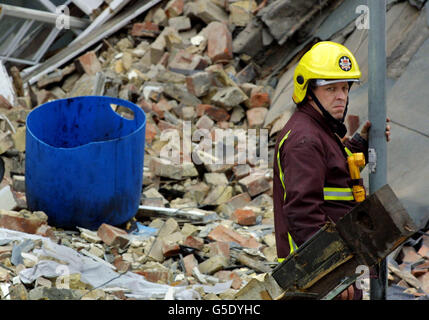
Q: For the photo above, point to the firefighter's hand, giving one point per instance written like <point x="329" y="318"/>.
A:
<point x="347" y="294"/>
<point x="365" y="130"/>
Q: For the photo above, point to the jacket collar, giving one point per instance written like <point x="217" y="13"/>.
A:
<point x="308" y="109"/>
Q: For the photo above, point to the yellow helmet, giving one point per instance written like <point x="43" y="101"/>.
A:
<point x="325" y="60"/>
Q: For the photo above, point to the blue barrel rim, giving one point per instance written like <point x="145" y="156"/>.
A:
<point x="118" y="101"/>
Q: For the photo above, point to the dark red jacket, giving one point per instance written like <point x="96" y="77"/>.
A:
<point x="312" y="159"/>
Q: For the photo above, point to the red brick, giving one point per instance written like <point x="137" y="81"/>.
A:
<point x="164" y="125"/>
<point x="221" y="233"/>
<point x="194" y="242"/>
<point x="204" y="122"/>
<point x="188" y="61"/>
<point x="255" y="184"/>
<point x="174" y="8"/>
<point x="424" y="251"/>
<point x="259" y="100"/>
<point x="170" y="249"/>
<point x="410" y="255"/>
<point x="156" y="276"/>
<point x="151" y="132"/>
<point x="112" y="236"/>
<point x="215" y="113"/>
<point x="241" y="170"/>
<point x="225" y="276"/>
<point x="159" y="112"/>
<point x="244" y="217"/>
<point x="256" y="117"/>
<point x="145" y="29"/>
<point x="425" y="282"/>
<point x="28" y="223"/>
<point x="420" y="270"/>
<point x="219" y="248"/>
<point x="145" y="105"/>
<point x="121" y="265"/>
<point x="219" y="42"/>
<point x="239" y="201"/>
<point x="190" y="262"/>
<point x="90" y="63"/>
<point x="164" y="59"/>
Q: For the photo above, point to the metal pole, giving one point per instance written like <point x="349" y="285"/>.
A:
<point x="377" y="116"/>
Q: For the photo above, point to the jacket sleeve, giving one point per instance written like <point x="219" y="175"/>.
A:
<point x="357" y="144"/>
<point x="304" y="175"/>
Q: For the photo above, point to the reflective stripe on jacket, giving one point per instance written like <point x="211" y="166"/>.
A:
<point x="311" y="178"/>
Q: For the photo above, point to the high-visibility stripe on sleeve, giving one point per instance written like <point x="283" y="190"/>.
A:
<point x="292" y="245"/>
<point x="344" y="194"/>
<point x="349" y="153"/>
<point x="279" y="164"/>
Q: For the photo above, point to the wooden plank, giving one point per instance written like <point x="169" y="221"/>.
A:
<point x="376" y="227"/>
<point x="316" y="258"/>
<point x="365" y="236"/>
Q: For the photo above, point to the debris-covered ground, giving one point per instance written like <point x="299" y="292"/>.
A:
<point x="204" y="229"/>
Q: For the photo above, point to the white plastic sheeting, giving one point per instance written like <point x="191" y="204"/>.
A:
<point x="92" y="272"/>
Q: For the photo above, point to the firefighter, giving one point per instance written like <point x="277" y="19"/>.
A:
<point x="312" y="183"/>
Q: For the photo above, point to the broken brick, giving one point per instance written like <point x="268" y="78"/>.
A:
<point x="145" y="29"/>
<point x="255" y="184"/>
<point x="90" y="63"/>
<point x="151" y="132"/>
<point x="215" y="113"/>
<point x="194" y="242"/>
<point x="221" y="233"/>
<point x="199" y="83"/>
<point x="22" y="221"/>
<point x="225" y="275"/>
<point x="156" y="276"/>
<point x="112" y="236"/>
<point x="244" y="217"/>
<point x="256" y="117"/>
<point x="259" y="99"/>
<point x="204" y="123"/>
<point x="190" y="262"/>
<point x="174" y="8"/>
<point x="121" y="265"/>
<point x="219" y="248"/>
<point x="219" y="42"/>
<point x="170" y="249"/>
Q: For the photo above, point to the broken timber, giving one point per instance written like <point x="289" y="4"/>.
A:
<point x="364" y="236"/>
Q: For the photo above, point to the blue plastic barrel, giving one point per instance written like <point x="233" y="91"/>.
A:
<point x="84" y="162"/>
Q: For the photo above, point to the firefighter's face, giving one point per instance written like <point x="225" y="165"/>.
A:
<point x="333" y="98"/>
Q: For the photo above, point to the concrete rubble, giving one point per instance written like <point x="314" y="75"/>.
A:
<point x="205" y="228"/>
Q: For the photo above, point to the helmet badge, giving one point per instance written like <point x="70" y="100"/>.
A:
<point x="345" y="63"/>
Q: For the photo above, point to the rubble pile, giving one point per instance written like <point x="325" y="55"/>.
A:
<point x="408" y="270"/>
<point x="204" y="229"/>
<point x="178" y="65"/>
